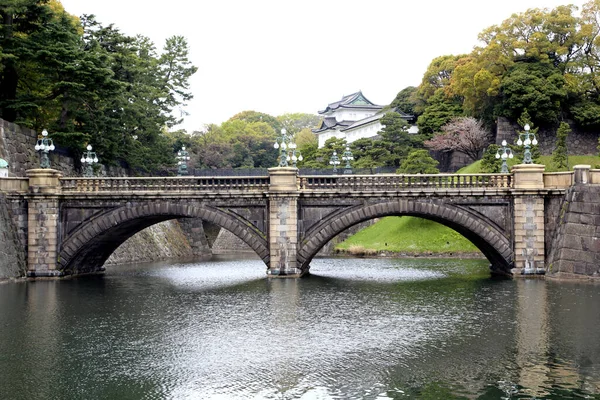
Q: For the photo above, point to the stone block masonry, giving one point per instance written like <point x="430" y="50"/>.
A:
<point x="12" y="251"/>
<point x="576" y="244"/>
<point x="17" y="147"/>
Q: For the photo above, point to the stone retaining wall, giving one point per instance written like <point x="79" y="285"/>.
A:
<point x="578" y="141"/>
<point x="17" y="147"/>
<point x="576" y="245"/>
<point x="12" y="249"/>
<point x="158" y="242"/>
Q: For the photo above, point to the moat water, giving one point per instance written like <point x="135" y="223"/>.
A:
<point x="355" y="329"/>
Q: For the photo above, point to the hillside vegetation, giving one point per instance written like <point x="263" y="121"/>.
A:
<point x="475" y="168"/>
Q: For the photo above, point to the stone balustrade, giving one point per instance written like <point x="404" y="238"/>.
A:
<point x="595" y="176"/>
<point x="554" y="180"/>
<point x="165" y="184"/>
<point x="395" y="182"/>
<point x="558" y="180"/>
<point x="19" y="185"/>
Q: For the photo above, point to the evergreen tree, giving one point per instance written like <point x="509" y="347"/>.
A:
<point x="396" y="139"/>
<point x="489" y="163"/>
<point x="440" y="109"/>
<point x="419" y="162"/>
<point x="560" y="155"/>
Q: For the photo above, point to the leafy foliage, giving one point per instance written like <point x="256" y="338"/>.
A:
<point x="89" y="83"/>
<point x="419" y="162"/>
<point x="539" y="87"/>
<point x="545" y="60"/>
<point x="396" y="139"/>
<point x="406" y="100"/>
<point x="439" y="111"/>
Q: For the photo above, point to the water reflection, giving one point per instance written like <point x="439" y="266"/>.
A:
<point x="364" y="329"/>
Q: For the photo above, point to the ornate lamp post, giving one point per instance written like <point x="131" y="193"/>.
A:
<point x="335" y="161"/>
<point x="287" y="150"/>
<point x="347" y="157"/>
<point x="294" y="155"/>
<point x="506" y="153"/>
<point x="525" y="139"/>
<point x="43" y="146"/>
<point x="183" y="158"/>
<point x="87" y="160"/>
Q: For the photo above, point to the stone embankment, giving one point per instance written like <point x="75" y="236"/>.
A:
<point x="156" y="243"/>
<point x="174" y="239"/>
<point x="576" y="245"/>
<point x="12" y="253"/>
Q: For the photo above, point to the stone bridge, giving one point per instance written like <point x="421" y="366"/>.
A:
<point x="74" y="224"/>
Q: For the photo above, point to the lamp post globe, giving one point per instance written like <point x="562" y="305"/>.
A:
<point x="43" y="146"/>
<point x="347" y="157"/>
<point x="334" y="161"/>
<point x="88" y="159"/>
<point x="527" y="139"/>
<point x="288" y="149"/>
<point x="182" y="159"/>
<point x="504" y="153"/>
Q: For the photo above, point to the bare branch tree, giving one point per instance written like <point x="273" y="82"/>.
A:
<point x="464" y="134"/>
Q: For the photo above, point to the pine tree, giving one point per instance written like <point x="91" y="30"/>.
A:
<point x="559" y="156"/>
<point x="419" y="162"/>
<point x="489" y="163"/>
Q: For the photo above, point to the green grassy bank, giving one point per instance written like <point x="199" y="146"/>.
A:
<point x="408" y="235"/>
<point x="475" y="168"/>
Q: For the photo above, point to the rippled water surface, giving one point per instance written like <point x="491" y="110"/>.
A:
<point x="355" y="329"/>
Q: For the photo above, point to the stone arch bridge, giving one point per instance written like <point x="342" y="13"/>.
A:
<point x="74" y="224"/>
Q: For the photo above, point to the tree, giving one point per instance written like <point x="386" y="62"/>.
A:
<point x="419" y="162"/>
<point x="437" y="76"/>
<point x="252" y="142"/>
<point x="538" y="86"/>
<point x="370" y="153"/>
<point x="255" y="116"/>
<point x="212" y="150"/>
<point x="323" y="155"/>
<point x="439" y="111"/>
<point x="175" y="70"/>
<point x="489" y="163"/>
<point x="297" y="122"/>
<point x="87" y="82"/>
<point x="560" y="156"/>
<point x="396" y="140"/>
<point x="308" y="144"/>
<point x="464" y="134"/>
<point x="406" y="100"/>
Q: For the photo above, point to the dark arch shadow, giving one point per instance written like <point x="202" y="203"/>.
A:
<point x="88" y="247"/>
<point x="494" y="244"/>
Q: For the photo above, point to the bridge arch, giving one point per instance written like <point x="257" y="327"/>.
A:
<point x="489" y="239"/>
<point x="89" y="246"/>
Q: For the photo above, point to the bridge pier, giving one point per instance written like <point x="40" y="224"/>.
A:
<point x="283" y="223"/>
<point x="42" y="223"/>
<point x="529" y="219"/>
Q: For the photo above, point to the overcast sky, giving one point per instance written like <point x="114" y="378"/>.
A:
<point x="284" y="56"/>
